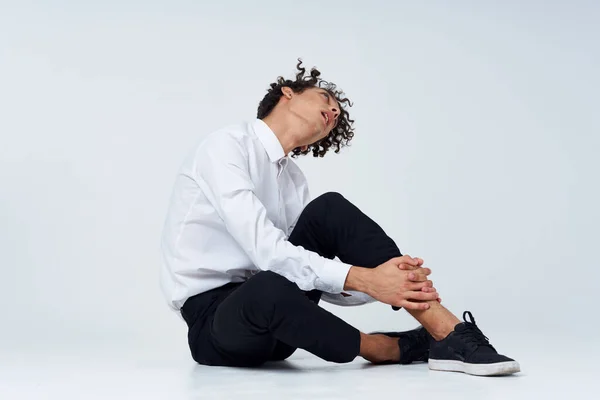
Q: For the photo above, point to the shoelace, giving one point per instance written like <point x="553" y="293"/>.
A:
<point x="472" y="333"/>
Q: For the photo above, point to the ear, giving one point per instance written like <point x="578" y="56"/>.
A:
<point x="287" y="92"/>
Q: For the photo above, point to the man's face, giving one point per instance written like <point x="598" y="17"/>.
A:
<point x="317" y="109"/>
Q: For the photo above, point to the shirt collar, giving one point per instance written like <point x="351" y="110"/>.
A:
<point x="269" y="140"/>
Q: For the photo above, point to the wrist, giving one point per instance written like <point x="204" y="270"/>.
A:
<point x="358" y="279"/>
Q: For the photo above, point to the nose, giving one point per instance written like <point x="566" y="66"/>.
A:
<point x="335" y="112"/>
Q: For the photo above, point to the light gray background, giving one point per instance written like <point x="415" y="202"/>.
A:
<point x="476" y="149"/>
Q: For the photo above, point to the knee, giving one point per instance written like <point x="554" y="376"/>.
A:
<point x="331" y="197"/>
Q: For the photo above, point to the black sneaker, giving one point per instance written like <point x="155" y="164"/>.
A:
<point x="414" y="345"/>
<point x="468" y="350"/>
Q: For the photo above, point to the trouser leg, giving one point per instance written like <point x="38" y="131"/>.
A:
<point x="268" y="316"/>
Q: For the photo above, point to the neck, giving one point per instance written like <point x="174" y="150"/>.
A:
<point x="282" y="127"/>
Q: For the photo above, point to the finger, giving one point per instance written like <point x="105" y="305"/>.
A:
<point x="420" y="270"/>
<point x="419" y="285"/>
<point x="428" y="290"/>
<point x="419" y="261"/>
<point x="409" y="305"/>
<point x="421" y="296"/>
<point x="407" y="267"/>
<point x="407" y="260"/>
<point x="439" y="299"/>
<point x="417" y="276"/>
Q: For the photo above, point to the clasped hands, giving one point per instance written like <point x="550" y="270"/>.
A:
<point x="400" y="282"/>
<point x="404" y="282"/>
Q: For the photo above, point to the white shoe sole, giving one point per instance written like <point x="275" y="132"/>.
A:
<point x="502" y="368"/>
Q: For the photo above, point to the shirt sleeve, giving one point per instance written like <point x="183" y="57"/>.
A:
<point x="223" y="176"/>
<point x="350" y="299"/>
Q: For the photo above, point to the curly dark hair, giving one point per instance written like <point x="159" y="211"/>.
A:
<point x="339" y="136"/>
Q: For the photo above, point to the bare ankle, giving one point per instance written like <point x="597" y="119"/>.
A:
<point x="444" y="328"/>
<point x="379" y="348"/>
<point x="438" y="321"/>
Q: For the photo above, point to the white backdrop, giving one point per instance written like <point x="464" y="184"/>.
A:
<point x="476" y="139"/>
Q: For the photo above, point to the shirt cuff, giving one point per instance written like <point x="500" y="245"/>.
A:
<point x="334" y="275"/>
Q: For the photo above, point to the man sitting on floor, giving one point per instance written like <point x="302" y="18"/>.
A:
<point x="247" y="255"/>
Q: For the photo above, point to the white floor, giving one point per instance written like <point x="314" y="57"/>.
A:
<point x="550" y="369"/>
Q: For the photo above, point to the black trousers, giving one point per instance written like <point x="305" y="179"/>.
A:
<point x="267" y="317"/>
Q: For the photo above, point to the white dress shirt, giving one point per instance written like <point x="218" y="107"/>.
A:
<point x="234" y="204"/>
